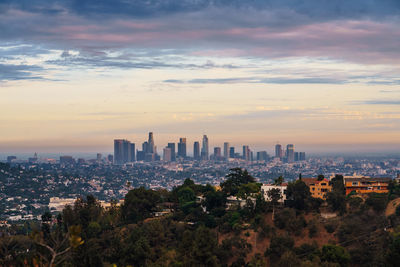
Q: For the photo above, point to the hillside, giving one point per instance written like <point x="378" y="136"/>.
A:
<point x="193" y="225"/>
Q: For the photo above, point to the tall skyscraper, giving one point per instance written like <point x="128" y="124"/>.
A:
<point x="98" y="157"/>
<point x="182" y="148"/>
<point x="226" y="150"/>
<point x="232" y="152"/>
<point x="145" y="147"/>
<point x="217" y="153"/>
<point x="173" y="154"/>
<point x="132" y="152"/>
<point x="124" y="151"/>
<point x="151" y="143"/>
<point x="262" y="156"/>
<point x="278" y="151"/>
<point x="204" y="148"/>
<point x="119" y="151"/>
<point x="167" y="154"/>
<point x="302" y="155"/>
<point x="196" y="150"/>
<point x="290" y="153"/>
<point x="246" y="153"/>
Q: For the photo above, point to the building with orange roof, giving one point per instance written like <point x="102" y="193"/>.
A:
<point x="318" y="188"/>
<point x="366" y="185"/>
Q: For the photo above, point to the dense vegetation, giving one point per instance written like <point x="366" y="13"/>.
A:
<point x="196" y="229"/>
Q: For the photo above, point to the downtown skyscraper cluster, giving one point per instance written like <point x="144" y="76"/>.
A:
<point x="125" y="152"/>
<point x="289" y="155"/>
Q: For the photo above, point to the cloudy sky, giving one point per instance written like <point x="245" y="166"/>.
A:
<point x="322" y="74"/>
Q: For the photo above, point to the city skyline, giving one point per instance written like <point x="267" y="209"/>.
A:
<point x="322" y="75"/>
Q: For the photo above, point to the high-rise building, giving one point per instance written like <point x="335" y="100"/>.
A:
<point x="151" y="143"/>
<point x="204" y="148"/>
<point x="98" y="157"/>
<point x="150" y="157"/>
<point x="167" y="155"/>
<point x="262" y="156"/>
<point x="132" y="152"/>
<point x="302" y="155"/>
<point x="182" y="148"/>
<point x="145" y="147"/>
<point x="172" y="147"/>
<point x="226" y="150"/>
<point x="290" y="153"/>
<point x="110" y="158"/>
<point x="296" y="156"/>
<point x="217" y="153"/>
<point x="119" y="151"/>
<point x="196" y="150"/>
<point x="246" y="153"/>
<point x="34" y="159"/>
<point x="232" y="152"/>
<point x="67" y="160"/>
<point x="11" y="159"/>
<point x="124" y="151"/>
<point x="140" y="155"/>
<point x="278" y="151"/>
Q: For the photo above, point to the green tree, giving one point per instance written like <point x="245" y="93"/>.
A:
<point x="393" y="255"/>
<point x="246" y="190"/>
<point x="336" y="254"/>
<point x="278" y="246"/>
<point x="274" y="195"/>
<point x="299" y="195"/>
<point x="185" y="195"/>
<point x="58" y="244"/>
<point x="139" y="204"/>
<point x="235" y="178"/>
<point x="279" y="180"/>
<point x="377" y="201"/>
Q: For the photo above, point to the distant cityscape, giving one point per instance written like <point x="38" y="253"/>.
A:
<point x="125" y="152"/>
<point x="30" y="187"/>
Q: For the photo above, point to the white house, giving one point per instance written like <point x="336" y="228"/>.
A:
<point x="266" y="187"/>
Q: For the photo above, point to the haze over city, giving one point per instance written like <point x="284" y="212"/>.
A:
<point x="74" y="75"/>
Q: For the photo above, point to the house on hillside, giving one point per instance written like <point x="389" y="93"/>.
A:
<point x="266" y="187"/>
<point x="366" y="185"/>
<point x="233" y="202"/>
<point x="318" y="188"/>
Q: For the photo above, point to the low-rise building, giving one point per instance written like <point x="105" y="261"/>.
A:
<point x="366" y="185"/>
<point x="266" y="187"/>
<point x="58" y="204"/>
<point x="318" y="188"/>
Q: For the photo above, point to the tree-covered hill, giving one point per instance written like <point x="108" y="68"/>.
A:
<point x="196" y="225"/>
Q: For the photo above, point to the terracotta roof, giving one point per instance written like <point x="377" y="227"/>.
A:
<point x="311" y="181"/>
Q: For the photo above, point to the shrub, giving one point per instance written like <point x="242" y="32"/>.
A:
<point x="330" y="227"/>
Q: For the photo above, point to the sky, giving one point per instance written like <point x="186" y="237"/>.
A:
<point x="322" y="74"/>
